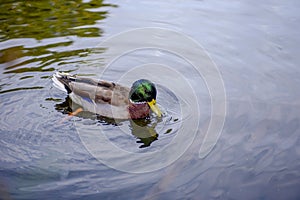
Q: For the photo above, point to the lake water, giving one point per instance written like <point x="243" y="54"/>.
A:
<point x="244" y="71"/>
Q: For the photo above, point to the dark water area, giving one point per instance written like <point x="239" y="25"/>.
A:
<point x="46" y="154"/>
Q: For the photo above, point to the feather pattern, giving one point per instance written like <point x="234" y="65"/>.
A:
<point x="102" y="97"/>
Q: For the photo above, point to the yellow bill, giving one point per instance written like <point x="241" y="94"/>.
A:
<point x="154" y="107"/>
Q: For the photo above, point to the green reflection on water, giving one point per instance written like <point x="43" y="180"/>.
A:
<point x="22" y="88"/>
<point x="53" y="20"/>
<point x="41" y="55"/>
<point x="48" y="19"/>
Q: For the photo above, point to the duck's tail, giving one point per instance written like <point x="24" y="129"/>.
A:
<point x="61" y="81"/>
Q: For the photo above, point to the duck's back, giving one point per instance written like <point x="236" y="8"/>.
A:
<point x="101" y="97"/>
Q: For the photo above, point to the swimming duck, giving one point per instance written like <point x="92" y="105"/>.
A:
<point x="109" y="99"/>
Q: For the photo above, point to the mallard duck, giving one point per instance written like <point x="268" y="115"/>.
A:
<point x="109" y="99"/>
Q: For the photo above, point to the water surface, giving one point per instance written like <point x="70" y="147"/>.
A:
<point x="255" y="46"/>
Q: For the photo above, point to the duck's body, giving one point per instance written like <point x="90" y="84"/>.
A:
<point x="105" y="98"/>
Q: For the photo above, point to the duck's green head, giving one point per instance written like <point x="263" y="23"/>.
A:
<point x="144" y="91"/>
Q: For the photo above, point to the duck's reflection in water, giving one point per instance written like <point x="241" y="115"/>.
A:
<point x="142" y="129"/>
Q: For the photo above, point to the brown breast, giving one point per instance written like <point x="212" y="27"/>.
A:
<point x="138" y="111"/>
